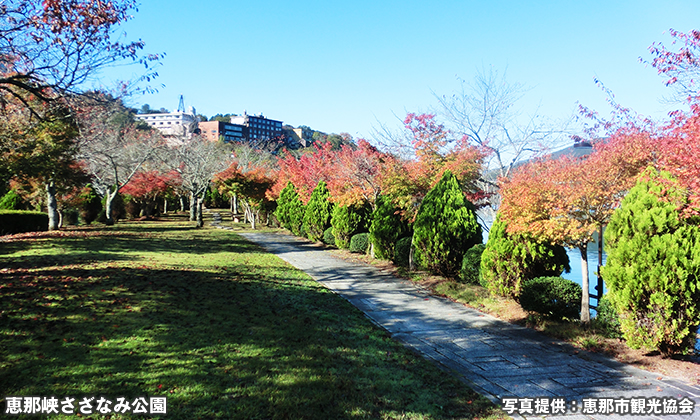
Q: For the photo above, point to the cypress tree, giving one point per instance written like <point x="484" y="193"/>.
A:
<point x="510" y="260"/>
<point x="653" y="266"/>
<point x="349" y="220"/>
<point x="386" y="228"/>
<point x="290" y="209"/>
<point x="317" y="216"/>
<point x="445" y="227"/>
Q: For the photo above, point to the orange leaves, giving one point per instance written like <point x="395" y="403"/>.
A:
<point x="565" y="200"/>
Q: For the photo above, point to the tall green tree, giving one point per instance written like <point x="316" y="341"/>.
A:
<point x="445" y="227"/>
<point x="317" y="216"/>
<point x="653" y="266"/>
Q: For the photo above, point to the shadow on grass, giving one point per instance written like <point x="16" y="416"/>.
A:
<point x="251" y="340"/>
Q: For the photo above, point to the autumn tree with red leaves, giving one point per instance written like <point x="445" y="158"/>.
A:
<point x="50" y="48"/>
<point x="148" y="186"/>
<point x="407" y="181"/>
<point x="251" y="186"/>
<point x="565" y="201"/>
<point x="681" y="67"/>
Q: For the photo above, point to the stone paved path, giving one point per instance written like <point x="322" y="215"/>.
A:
<point x="497" y="359"/>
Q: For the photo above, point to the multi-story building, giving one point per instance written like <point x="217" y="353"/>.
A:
<point x="259" y="127"/>
<point x="176" y="124"/>
<point x="214" y="130"/>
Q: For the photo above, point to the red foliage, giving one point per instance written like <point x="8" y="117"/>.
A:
<point x="351" y="173"/>
<point x="151" y="184"/>
<point x="679" y="152"/>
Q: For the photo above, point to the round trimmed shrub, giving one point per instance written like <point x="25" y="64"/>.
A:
<point x="555" y="297"/>
<point x="402" y="251"/>
<point x="359" y="243"/>
<point x="653" y="266"/>
<point x="510" y="260"/>
<point x="471" y="264"/>
<point x="445" y="227"/>
<point x="328" y="237"/>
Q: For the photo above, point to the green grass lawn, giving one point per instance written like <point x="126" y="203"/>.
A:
<point x="221" y="328"/>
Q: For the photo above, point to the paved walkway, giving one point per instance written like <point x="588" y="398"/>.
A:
<point x="497" y="359"/>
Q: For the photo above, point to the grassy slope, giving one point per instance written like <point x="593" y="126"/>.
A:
<point x="204" y="317"/>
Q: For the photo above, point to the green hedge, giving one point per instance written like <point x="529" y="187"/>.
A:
<point x="18" y="221"/>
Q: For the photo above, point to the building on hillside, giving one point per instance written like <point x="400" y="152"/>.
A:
<point x="175" y="124"/>
<point x="298" y="137"/>
<point x="259" y="127"/>
<point x="215" y="130"/>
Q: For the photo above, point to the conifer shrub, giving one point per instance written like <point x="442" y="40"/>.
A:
<point x="12" y="201"/>
<point x="290" y="210"/>
<point x="349" y="220"/>
<point x="317" y="216"/>
<point x="359" y="243"/>
<point x="445" y="227"/>
<point x="328" y="237"/>
<point x="19" y="221"/>
<point x="90" y="204"/>
<point x="471" y="264"/>
<point x="653" y="266"/>
<point x="555" y="297"/>
<point x="386" y="228"/>
<point x="607" y="320"/>
<point x="402" y="251"/>
<point x="510" y="260"/>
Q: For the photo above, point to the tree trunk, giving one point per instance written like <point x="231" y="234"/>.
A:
<point x="109" y="220"/>
<point x="585" y="309"/>
<point x="52" y="205"/>
<point x="599" y="286"/>
<point x="235" y="204"/>
<point x="182" y="202"/>
<point x="165" y="206"/>
<point x="193" y="207"/>
<point x="411" y="257"/>
<point x="200" y="216"/>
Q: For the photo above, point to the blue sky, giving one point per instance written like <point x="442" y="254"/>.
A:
<point x="344" y="66"/>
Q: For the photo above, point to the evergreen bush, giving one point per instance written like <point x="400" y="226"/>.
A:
<point x="90" y="204"/>
<point x="607" y="320"/>
<point x="471" y="264"/>
<point x="445" y="227"/>
<point x="19" y="221"/>
<point x="554" y="297"/>
<point x="509" y="260"/>
<point x="386" y="228"/>
<point x="402" y="251"/>
<point x="653" y="266"/>
<point x="328" y="237"/>
<point x="359" y="243"/>
<point x="317" y="216"/>
<point x="349" y="220"/>
<point x="12" y="201"/>
<point x="290" y="210"/>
